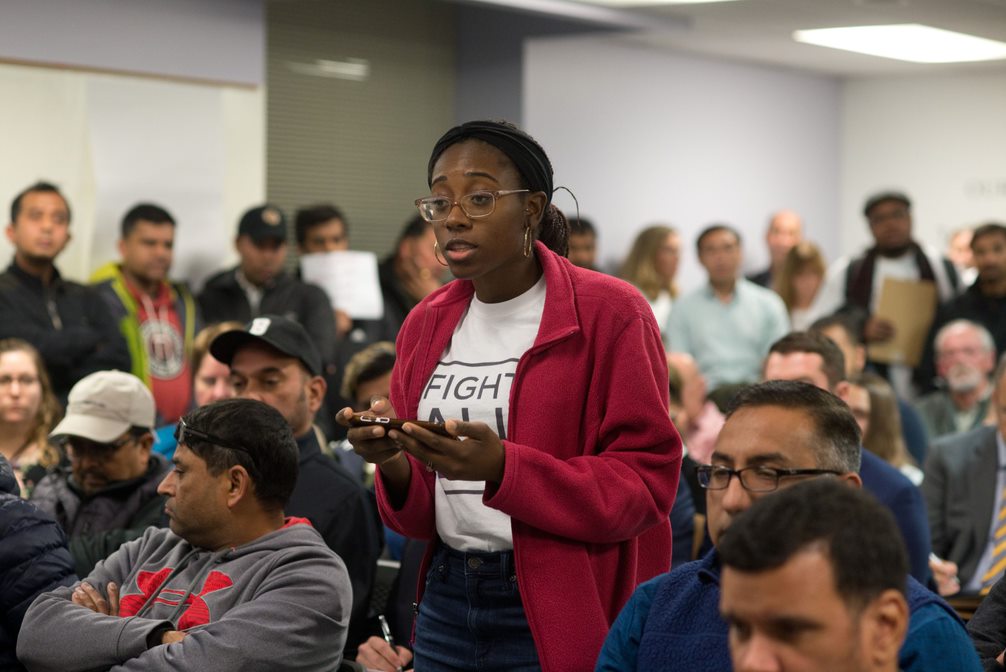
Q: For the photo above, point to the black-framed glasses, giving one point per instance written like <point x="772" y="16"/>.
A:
<point x="476" y="204"/>
<point x="78" y="446"/>
<point x="753" y="479"/>
<point x="185" y="433"/>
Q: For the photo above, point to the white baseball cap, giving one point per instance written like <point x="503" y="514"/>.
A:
<point x="103" y="405"/>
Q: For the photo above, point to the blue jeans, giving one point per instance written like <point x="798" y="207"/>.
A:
<point x="471" y="616"/>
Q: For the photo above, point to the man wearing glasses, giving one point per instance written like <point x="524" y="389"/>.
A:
<point x="108" y="496"/>
<point x="776" y="434"/>
<point x="232" y="585"/>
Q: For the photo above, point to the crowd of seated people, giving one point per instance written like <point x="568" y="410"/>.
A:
<point x="174" y="454"/>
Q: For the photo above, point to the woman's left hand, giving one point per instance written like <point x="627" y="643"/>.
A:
<point x="480" y="457"/>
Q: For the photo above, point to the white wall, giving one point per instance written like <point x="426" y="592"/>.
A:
<point x="643" y="136"/>
<point x="940" y="139"/>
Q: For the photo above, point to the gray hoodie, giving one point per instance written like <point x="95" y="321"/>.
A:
<point x="281" y="602"/>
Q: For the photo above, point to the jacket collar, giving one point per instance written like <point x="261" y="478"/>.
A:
<point x="31" y="280"/>
<point x="709" y="568"/>
<point x="308" y="445"/>
<point x="559" y="319"/>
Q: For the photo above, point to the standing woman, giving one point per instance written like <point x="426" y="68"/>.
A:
<point x="651" y="266"/>
<point x="28" y="410"/>
<point x="555" y="504"/>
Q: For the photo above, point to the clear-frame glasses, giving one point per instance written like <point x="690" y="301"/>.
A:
<point x="476" y="204"/>
<point x="753" y="479"/>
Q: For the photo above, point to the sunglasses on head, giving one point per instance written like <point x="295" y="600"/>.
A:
<point x="186" y="434"/>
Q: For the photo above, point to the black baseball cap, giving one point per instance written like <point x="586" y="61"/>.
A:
<point x="280" y="333"/>
<point x="877" y="199"/>
<point x="266" y="222"/>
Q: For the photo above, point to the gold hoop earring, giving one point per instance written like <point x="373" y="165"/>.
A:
<point x="436" y="253"/>
<point x="528" y="241"/>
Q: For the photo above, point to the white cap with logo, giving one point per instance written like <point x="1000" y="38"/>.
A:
<point x="103" y="405"/>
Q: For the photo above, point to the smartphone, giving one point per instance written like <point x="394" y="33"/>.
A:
<point x="368" y="420"/>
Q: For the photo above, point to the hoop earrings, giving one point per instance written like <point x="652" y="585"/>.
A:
<point x="528" y="241"/>
<point x="436" y="253"/>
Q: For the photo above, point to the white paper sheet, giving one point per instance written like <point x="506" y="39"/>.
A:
<point x="350" y="280"/>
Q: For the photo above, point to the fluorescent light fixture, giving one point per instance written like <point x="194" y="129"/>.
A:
<point x="353" y="69"/>
<point x="907" y="42"/>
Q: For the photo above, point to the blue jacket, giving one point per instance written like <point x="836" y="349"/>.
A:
<point x="34" y="559"/>
<point x="904" y="501"/>
<point x="672" y="622"/>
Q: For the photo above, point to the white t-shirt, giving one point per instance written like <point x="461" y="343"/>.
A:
<point x="472" y="382"/>
<point x="662" y="312"/>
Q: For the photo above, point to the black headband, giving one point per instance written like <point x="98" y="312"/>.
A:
<point x="526" y="154"/>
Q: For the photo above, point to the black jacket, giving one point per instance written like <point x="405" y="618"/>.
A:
<point x="223" y="299"/>
<point x="345" y="514"/>
<point x="69" y="323"/>
<point x="33" y="559"/>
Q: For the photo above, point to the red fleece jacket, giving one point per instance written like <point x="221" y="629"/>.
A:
<point x="592" y="461"/>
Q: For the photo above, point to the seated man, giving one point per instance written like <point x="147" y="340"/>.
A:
<point x="965" y="357"/>
<point x="844" y="330"/>
<point x="108" y="496"/>
<point x="814" y="578"/>
<point x="729" y="324"/>
<point x="776" y="434"/>
<point x="814" y="358"/>
<point x="273" y="360"/>
<point x="964" y="488"/>
<point x="232" y="585"/>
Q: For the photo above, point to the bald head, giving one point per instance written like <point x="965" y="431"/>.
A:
<point x="785" y="229"/>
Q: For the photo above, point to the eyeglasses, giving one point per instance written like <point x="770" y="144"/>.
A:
<point x="475" y="205"/>
<point x="79" y="447"/>
<point x="753" y="479"/>
<point x="185" y="434"/>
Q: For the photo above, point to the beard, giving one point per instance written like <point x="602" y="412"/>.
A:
<point x="962" y="378"/>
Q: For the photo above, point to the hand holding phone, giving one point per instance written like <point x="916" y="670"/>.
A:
<point x="370" y="420"/>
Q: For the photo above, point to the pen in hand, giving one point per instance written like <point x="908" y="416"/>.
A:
<point x="386" y="631"/>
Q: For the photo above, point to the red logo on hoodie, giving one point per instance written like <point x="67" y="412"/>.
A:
<point x="196" y="613"/>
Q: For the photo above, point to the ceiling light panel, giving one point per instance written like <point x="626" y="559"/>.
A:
<point x="906" y="42"/>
